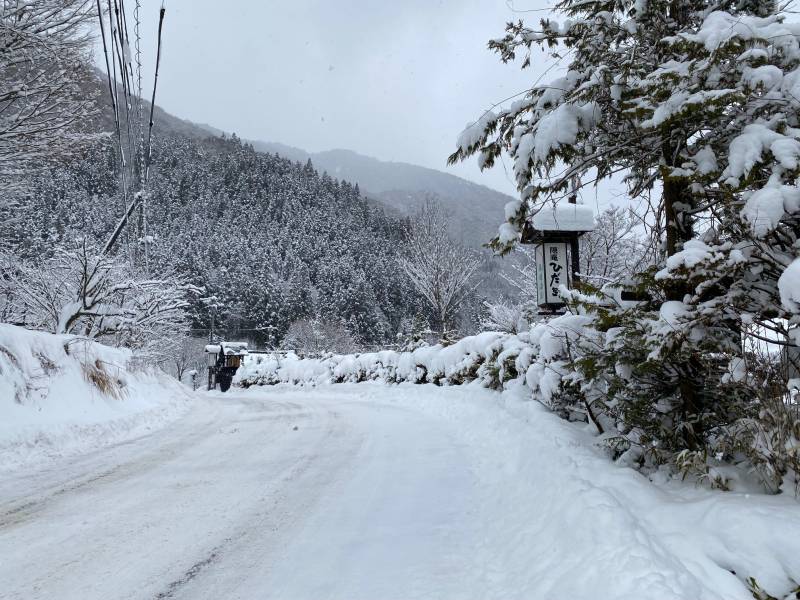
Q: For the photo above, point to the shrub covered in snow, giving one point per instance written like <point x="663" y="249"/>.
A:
<point x="605" y="367"/>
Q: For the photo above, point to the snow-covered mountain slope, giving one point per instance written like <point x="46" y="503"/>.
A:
<point x="475" y="210"/>
<point x="63" y="395"/>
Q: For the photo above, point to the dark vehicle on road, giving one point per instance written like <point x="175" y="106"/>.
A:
<point x="224" y="359"/>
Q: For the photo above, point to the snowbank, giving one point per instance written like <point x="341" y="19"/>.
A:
<point x="541" y="360"/>
<point x="570" y="524"/>
<point x="63" y="395"/>
<point x="538" y="357"/>
<point x="556" y="515"/>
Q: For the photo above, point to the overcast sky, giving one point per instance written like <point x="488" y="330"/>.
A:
<point x="397" y="80"/>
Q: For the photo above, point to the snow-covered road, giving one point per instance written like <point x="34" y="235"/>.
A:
<point x="357" y="492"/>
<point x="301" y="496"/>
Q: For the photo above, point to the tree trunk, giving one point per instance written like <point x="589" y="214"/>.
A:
<point x="678" y="201"/>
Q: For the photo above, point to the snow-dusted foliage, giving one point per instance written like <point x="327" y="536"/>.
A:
<point x="616" y="249"/>
<point x="504" y="316"/>
<point x="43" y="76"/>
<point x="312" y="336"/>
<point x="439" y="268"/>
<point x="694" y="104"/>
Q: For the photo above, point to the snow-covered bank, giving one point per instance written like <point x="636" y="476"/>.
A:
<point x="62" y="395"/>
<point x="548" y="516"/>
<point x="670" y="541"/>
<point x="551" y="362"/>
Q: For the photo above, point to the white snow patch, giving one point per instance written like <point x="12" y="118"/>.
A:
<point x="672" y="312"/>
<point x="473" y="133"/>
<point x="694" y="252"/>
<point x="706" y="161"/>
<point x="564" y="217"/>
<point x="765" y="208"/>
<point x="720" y="27"/>
<point x="507" y="233"/>
<point x="49" y="406"/>
<point x="789" y="287"/>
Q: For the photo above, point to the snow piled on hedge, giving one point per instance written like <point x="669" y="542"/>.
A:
<point x="62" y="395"/>
<point x="538" y="357"/>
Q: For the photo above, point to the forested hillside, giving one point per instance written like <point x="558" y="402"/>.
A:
<point x="267" y="241"/>
<point x="402" y="187"/>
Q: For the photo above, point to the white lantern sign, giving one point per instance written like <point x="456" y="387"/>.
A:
<point x="552" y="271"/>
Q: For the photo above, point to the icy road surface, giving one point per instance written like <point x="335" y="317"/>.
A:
<point x="368" y="492"/>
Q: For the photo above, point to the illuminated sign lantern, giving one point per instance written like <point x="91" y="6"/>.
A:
<point x="555" y="231"/>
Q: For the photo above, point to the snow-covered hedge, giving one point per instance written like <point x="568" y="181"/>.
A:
<point x="61" y="394"/>
<point x="554" y="361"/>
<point x="538" y="357"/>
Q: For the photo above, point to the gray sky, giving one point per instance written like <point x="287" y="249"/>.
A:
<point x="397" y="80"/>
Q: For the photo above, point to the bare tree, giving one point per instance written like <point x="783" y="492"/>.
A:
<point x="44" y="49"/>
<point x="616" y="249"/>
<point x="83" y="292"/>
<point x="182" y="354"/>
<point x="312" y="336"/>
<point x="440" y="269"/>
<point x="506" y="316"/>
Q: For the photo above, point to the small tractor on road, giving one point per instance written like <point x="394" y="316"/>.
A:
<point x="224" y="359"/>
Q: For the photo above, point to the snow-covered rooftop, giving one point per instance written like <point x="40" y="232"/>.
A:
<point x="564" y="217"/>
<point x="230" y="348"/>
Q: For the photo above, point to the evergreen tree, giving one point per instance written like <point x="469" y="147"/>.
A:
<point x="695" y="103"/>
<point x="273" y="240"/>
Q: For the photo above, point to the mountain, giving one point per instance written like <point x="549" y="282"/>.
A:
<point x="273" y="241"/>
<point x="476" y="210"/>
<point x="400" y="188"/>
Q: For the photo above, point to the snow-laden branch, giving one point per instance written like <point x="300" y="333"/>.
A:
<point x="440" y="269"/>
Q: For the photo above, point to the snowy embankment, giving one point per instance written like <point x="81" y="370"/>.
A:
<point x="568" y="523"/>
<point x="583" y="514"/>
<point x="63" y="395"/>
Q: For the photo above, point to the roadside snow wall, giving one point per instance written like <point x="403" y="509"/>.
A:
<point x="62" y="395"/>
<point x="538" y="357"/>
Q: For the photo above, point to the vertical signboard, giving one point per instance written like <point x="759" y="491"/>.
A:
<point x="552" y="271"/>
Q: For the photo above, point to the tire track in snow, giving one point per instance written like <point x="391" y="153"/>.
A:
<point x="253" y="546"/>
<point x="190" y="574"/>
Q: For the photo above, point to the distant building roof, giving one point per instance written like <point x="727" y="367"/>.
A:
<point x="229" y="348"/>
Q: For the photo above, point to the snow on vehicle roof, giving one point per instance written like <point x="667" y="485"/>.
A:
<point x="564" y="217"/>
<point x="230" y="348"/>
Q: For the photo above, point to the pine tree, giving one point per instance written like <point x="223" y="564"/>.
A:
<point x="274" y="241"/>
<point x="695" y="103"/>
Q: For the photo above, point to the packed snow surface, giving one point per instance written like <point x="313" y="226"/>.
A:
<point x="61" y="395"/>
<point x="564" y="217"/>
<point x="368" y="491"/>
